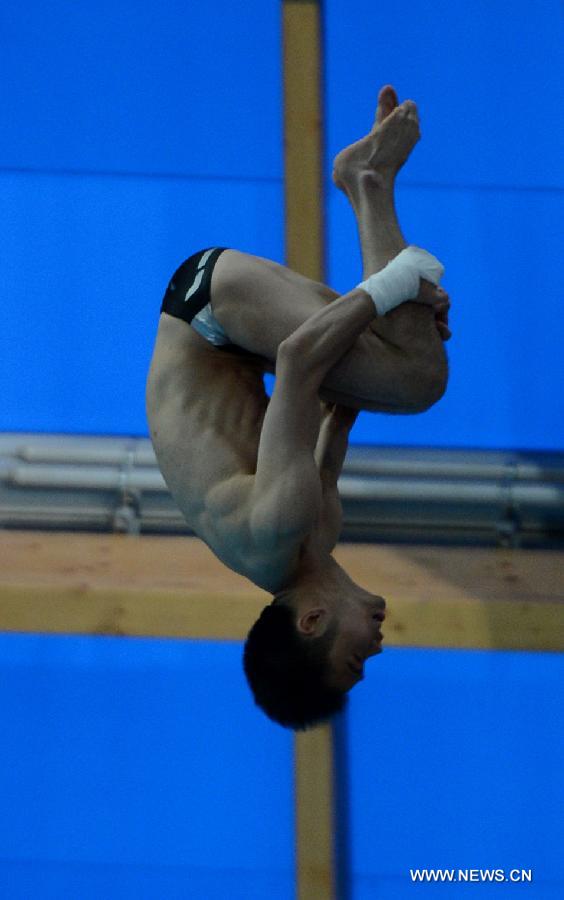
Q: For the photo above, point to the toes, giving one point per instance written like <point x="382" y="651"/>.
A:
<point x="390" y="96"/>
<point x="387" y="102"/>
<point x="406" y="105"/>
<point x="409" y="113"/>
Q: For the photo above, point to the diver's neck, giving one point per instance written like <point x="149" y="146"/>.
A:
<point x="318" y="572"/>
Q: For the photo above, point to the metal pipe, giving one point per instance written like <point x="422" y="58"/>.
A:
<point x="398" y="461"/>
<point x="103" y="456"/>
<point x="86" y="477"/>
<point x="364" y="490"/>
<point x="412" y="490"/>
<point x="105" y="483"/>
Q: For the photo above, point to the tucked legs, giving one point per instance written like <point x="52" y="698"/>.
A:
<point x="398" y="363"/>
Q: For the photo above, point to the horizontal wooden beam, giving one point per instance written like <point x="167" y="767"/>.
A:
<point x="121" y="585"/>
<point x="464" y="597"/>
<point x="174" y="587"/>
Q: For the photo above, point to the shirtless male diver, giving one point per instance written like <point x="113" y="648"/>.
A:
<point x="256" y="478"/>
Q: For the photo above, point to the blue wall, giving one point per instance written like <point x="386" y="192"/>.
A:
<point x="139" y="770"/>
<point x="483" y="190"/>
<point x="135" y="133"/>
<point x="142" y="769"/>
<point x="455" y="761"/>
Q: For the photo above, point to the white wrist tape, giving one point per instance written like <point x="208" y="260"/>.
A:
<point x="399" y="280"/>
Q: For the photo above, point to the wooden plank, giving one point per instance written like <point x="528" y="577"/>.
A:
<point x="174" y="587"/>
<point x="303" y="141"/>
<point x="121" y="585"/>
<point x="464" y="597"/>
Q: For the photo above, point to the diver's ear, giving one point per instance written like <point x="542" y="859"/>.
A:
<point x="313" y="622"/>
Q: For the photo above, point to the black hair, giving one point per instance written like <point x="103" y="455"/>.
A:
<point x="288" y="673"/>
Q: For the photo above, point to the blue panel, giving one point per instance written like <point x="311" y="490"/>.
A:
<point x="183" y="104"/>
<point x="487" y="77"/>
<point x="481" y="191"/>
<point x="503" y="259"/>
<point x="144" y="86"/>
<point x="86" y="262"/>
<point x="139" y="769"/>
<point x="455" y="762"/>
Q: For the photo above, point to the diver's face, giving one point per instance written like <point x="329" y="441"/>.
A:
<point x="359" y="637"/>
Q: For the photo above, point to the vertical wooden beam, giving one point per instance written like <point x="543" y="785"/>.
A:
<point x="303" y="137"/>
<point x="315" y="827"/>
<point x="304" y="208"/>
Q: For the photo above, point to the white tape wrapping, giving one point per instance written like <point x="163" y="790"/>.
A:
<point x="399" y="280"/>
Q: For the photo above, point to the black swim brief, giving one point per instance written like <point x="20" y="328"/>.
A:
<point x="188" y="291"/>
<point x="188" y="297"/>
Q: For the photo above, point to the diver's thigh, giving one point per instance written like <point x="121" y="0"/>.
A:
<point x="259" y="302"/>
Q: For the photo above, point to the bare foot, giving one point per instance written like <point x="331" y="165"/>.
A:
<point x="385" y="149"/>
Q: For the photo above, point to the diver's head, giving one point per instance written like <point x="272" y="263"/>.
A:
<point x="308" y="648"/>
